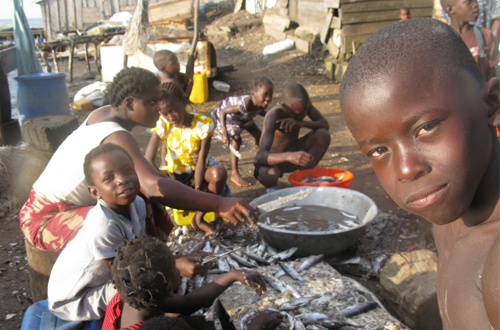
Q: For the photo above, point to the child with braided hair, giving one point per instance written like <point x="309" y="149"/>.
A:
<point x="145" y="276"/>
<point x="186" y="141"/>
<point x="235" y="114"/>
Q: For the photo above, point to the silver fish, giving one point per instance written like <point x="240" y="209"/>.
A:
<point x="348" y="215"/>
<point x="279" y="273"/>
<point x="223" y="264"/>
<point x="274" y="225"/>
<point x="274" y="282"/>
<point x="216" y="249"/>
<point x="207" y="247"/>
<point x="296" y="303"/>
<point x="312" y="317"/>
<point x="241" y="261"/>
<point x="261" y="249"/>
<point x="257" y="258"/>
<point x="181" y="290"/>
<point x="268" y="221"/>
<point x="272" y="251"/>
<point x="293" y="291"/>
<point x="197" y="247"/>
<point x="333" y="325"/>
<point x="311" y="261"/>
<point x="358" y="309"/>
<point x="290" y="271"/>
<point x="198" y="282"/>
<point x="216" y="271"/>
<point x="283" y="255"/>
<point x="232" y="263"/>
<point x="299" y="325"/>
<point x="293" y="208"/>
<point x="351" y="223"/>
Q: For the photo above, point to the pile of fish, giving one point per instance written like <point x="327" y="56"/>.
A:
<point x="323" y="179"/>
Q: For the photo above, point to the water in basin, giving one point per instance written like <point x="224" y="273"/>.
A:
<point x="310" y="218"/>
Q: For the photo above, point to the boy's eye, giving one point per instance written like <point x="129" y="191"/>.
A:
<point x="377" y="152"/>
<point x="108" y="178"/>
<point x="426" y="129"/>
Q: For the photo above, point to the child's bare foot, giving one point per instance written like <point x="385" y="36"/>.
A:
<point x="239" y="181"/>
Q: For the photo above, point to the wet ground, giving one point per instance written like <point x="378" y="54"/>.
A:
<point x="394" y="230"/>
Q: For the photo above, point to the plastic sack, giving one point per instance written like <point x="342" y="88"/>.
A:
<point x="95" y="93"/>
<point x="123" y="17"/>
<point x="280" y="46"/>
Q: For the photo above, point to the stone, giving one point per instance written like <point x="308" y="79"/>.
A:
<point x="306" y="34"/>
<point x="300" y="44"/>
<point x="409" y="282"/>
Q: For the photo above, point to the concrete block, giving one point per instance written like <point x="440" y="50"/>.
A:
<point x="300" y="44"/>
<point x="271" y="31"/>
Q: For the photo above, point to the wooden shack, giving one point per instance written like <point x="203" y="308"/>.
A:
<point x="343" y="24"/>
<point x="70" y="15"/>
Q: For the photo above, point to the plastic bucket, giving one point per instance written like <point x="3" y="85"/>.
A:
<point x="297" y="177"/>
<point x="41" y="94"/>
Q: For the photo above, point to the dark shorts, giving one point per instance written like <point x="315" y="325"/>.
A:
<point x="287" y="167"/>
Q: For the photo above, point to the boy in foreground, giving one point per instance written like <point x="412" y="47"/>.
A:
<point x="415" y="103"/>
<point x="281" y="150"/>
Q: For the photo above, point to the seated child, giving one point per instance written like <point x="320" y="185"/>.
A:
<point x="168" y="67"/>
<point x="80" y="283"/>
<point x="415" y="102"/>
<point x="145" y="276"/>
<point x="235" y="114"/>
<point x="481" y="42"/>
<point x="281" y="150"/>
<point x="186" y="138"/>
<point x="404" y="14"/>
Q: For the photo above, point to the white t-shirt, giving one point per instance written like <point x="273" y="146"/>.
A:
<point x="63" y="179"/>
<point x="79" y="267"/>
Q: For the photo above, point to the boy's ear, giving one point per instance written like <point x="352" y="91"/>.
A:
<point x="93" y="192"/>
<point x="491" y="97"/>
<point x="129" y="102"/>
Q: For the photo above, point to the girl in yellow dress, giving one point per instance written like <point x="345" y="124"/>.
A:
<point x="186" y="138"/>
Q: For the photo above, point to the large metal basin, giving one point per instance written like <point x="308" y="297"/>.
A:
<point x="326" y="242"/>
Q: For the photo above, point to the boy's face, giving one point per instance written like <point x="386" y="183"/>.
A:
<point x="173" y="110"/>
<point x="404" y="14"/>
<point x="115" y="181"/>
<point x="298" y="110"/>
<point x="172" y="66"/>
<point x="263" y="95"/>
<point x="464" y="10"/>
<point x="143" y="110"/>
<point x="427" y="139"/>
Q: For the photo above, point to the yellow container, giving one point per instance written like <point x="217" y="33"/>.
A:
<point x="182" y="220"/>
<point x="199" y="93"/>
<point x="83" y="105"/>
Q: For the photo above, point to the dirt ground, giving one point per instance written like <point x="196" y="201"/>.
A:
<point x="394" y="230"/>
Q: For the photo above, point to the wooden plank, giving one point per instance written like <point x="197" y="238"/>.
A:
<point x="282" y="3"/>
<point x="79" y="18"/>
<point x="326" y="28"/>
<point x="312" y="7"/>
<point x="312" y="22"/>
<point x="332" y="3"/>
<point x="293" y="9"/>
<point x="168" y="11"/>
<point x="90" y="15"/>
<point x="384" y="15"/>
<point x="381" y="5"/>
<point x="71" y="14"/>
<point x="366" y="28"/>
<point x="336" y="23"/>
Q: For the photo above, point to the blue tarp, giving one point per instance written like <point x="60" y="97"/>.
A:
<point x="27" y="62"/>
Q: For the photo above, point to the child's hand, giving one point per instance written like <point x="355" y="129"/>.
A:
<point x="190" y="265"/>
<point x="236" y="210"/>
<point x="225" y="141"/>
<point x="300" y="158"/>
<point x="265" y="320"/>
<point x="289" y="124"/>
<point x="252" y="279"/>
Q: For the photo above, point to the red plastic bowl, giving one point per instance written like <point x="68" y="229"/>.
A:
<point x="296" y="177"/>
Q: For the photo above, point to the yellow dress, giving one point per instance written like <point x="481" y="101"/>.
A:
<point x="183" y="144"/>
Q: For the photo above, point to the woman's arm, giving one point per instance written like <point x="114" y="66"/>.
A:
<point x="169" y="192"/>
<point x="199" y="173"/>
<point x="222" y="119"/>
<point x="152" y="149"/>
<point x="205" y="296"/>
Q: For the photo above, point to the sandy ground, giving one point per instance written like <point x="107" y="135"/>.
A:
<point x="394" y="230"/>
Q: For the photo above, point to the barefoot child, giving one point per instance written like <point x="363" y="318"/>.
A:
<point x="168" y="67"/>
<point x="80" y="283"/>
<point x="281" y="150"/>
<point x="145" y="276"/>
<point x="236" y="114"/>
<point x="414" y="101"/>
<point x="186" y="139"/>
<point x="481" y="42"/>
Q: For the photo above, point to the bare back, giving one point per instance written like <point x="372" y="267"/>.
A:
<point x="468" y="280"/>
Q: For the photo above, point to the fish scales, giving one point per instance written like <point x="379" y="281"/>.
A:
<point x="274" y="282"/>
<point x="290" y="271"/>
<point x="309" y="262"/>
<point x="241" y="261"/>
<point x="283" y="255"/>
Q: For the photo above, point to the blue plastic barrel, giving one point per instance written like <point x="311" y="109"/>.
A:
<point x="41" y="94"/>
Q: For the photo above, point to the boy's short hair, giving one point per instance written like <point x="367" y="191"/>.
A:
<point x="141" y="272"/>
<point x="261" y="81"/>
<point x="295" y="93"/>
<point x="163" y="322"/>
<point x="96" y="152"/>
<point x="131" y="82"/>
<point x="401" y="47"/>
<point x="161" y="57"/>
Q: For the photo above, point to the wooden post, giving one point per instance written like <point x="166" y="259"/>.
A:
<point x="44" y="60"/>
<point x="40" y="264"/>
<point x="46" y="133"/>
<point x="54" y="58"/>
<point x="70" y="63"/>
<point x="87" y="56"/>
<point x="97" y="57"/>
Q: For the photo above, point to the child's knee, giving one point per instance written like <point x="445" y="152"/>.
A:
<point x="269" y="176"/>
<point x="219" y="173"/>
<point x="237" y="139"/>
<point x="322" y="136"/>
